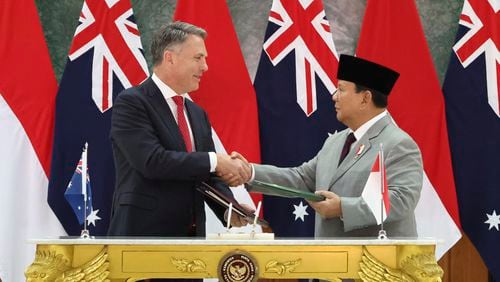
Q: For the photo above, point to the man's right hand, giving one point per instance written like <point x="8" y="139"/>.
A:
<point x="236" y="155"/>
<point x="233" y="171"/>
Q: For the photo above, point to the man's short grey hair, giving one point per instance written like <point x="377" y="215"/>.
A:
<point x="170" y="35"/>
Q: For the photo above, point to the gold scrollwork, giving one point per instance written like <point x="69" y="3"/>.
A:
<point x="184" y="265"/>
<point x="51" y="266"/>
<point x="414" y="268"/>
<point x="282" y="267"/>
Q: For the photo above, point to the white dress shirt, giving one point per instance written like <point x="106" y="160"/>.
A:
<point x="168" y="93"/>
<point x="364" y="128"/>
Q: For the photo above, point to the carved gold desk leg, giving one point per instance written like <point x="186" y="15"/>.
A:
<point x="69" y="263"/>
<point x="414" y="263"/>
<point x="51" y="261"/>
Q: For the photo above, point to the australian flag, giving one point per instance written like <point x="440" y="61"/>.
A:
<point x="75" y="194"/>
<point x="294" y="82"/>
<point x="104" y="58"/>
<point x="471" y="90"/>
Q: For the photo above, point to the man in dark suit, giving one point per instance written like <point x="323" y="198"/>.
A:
<point x="162" y="145"/>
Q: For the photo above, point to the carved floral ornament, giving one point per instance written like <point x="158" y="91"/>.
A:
<point x="190" y="266"/>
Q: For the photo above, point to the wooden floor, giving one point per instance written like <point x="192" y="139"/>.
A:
<point x="463" y="263"/>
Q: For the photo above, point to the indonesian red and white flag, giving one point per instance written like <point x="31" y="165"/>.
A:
<point x="392" y="35"/>
<point x="226" y="91"/>
<point x="376" y="193"/>
<point x="27" y="99"/>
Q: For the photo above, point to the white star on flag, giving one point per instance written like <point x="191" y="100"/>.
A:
<point x="91" y="219"/>
<point x="493" y="220"/>
<point x="300" y="211"/>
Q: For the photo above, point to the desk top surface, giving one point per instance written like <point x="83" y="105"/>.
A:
<point x="240" y="241"/>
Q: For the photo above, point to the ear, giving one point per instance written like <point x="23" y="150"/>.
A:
<point x="367" y="97"/>
<point x="168" y="57"/>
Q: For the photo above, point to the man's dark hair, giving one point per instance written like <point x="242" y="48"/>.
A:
<point x="379" y="99"/>
<point x="170" y="35"/>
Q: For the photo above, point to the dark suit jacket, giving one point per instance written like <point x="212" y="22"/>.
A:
<point x="156" y="178"/>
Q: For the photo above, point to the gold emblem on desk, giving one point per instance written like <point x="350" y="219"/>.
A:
<point x="51" y="266"/>
<point x="238" y="267"/>
<point x="184" y="265"/>
<point x="281" y="268"/>
<point x="414" y="268"/>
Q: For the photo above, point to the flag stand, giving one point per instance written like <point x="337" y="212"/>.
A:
<point x="382" y="234"/>
<point x="85" y="232"/>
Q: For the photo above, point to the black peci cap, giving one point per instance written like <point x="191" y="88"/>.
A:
<point x="366" y="73"/>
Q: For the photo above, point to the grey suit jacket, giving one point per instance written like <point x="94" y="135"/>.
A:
<point x="404" y="174"/>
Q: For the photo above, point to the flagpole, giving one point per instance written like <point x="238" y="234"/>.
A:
<point x="85" y="232"/>
<point x="382" y="234"/>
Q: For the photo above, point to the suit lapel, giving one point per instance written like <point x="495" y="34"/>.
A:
<point x="358" y="151"/>
<point x="166" y="116"/>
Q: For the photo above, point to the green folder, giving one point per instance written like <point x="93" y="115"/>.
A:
<point x="288" y="191"/>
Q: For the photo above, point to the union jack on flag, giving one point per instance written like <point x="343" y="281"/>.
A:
<point x="116" y="45"/>
<point x="105" y="57"/>
<point x="303" y="28"/>
<point x="482" y="18"/>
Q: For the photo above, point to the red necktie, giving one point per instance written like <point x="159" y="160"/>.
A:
<point x="182" y="122"/>
<point x="347" y="146"/>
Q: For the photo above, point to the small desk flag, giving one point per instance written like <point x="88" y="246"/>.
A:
<point x="376" y="193"/>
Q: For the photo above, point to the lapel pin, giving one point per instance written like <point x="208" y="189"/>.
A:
<point x="360" y="150"/>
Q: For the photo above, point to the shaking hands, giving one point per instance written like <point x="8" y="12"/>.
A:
<point x="234" y="169"/>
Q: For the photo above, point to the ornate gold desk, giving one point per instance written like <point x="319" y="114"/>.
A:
<point x="125" y="259"/>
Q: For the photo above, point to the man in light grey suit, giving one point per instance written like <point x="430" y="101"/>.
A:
<point x="341" y="168"/>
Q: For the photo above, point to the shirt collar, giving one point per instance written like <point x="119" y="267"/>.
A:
<point x="165" y="90"/>
<point x="364" y="128"/>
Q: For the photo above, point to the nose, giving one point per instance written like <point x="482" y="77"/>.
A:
<point x="335" y="95"/>
<point x="204" y="65"/>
